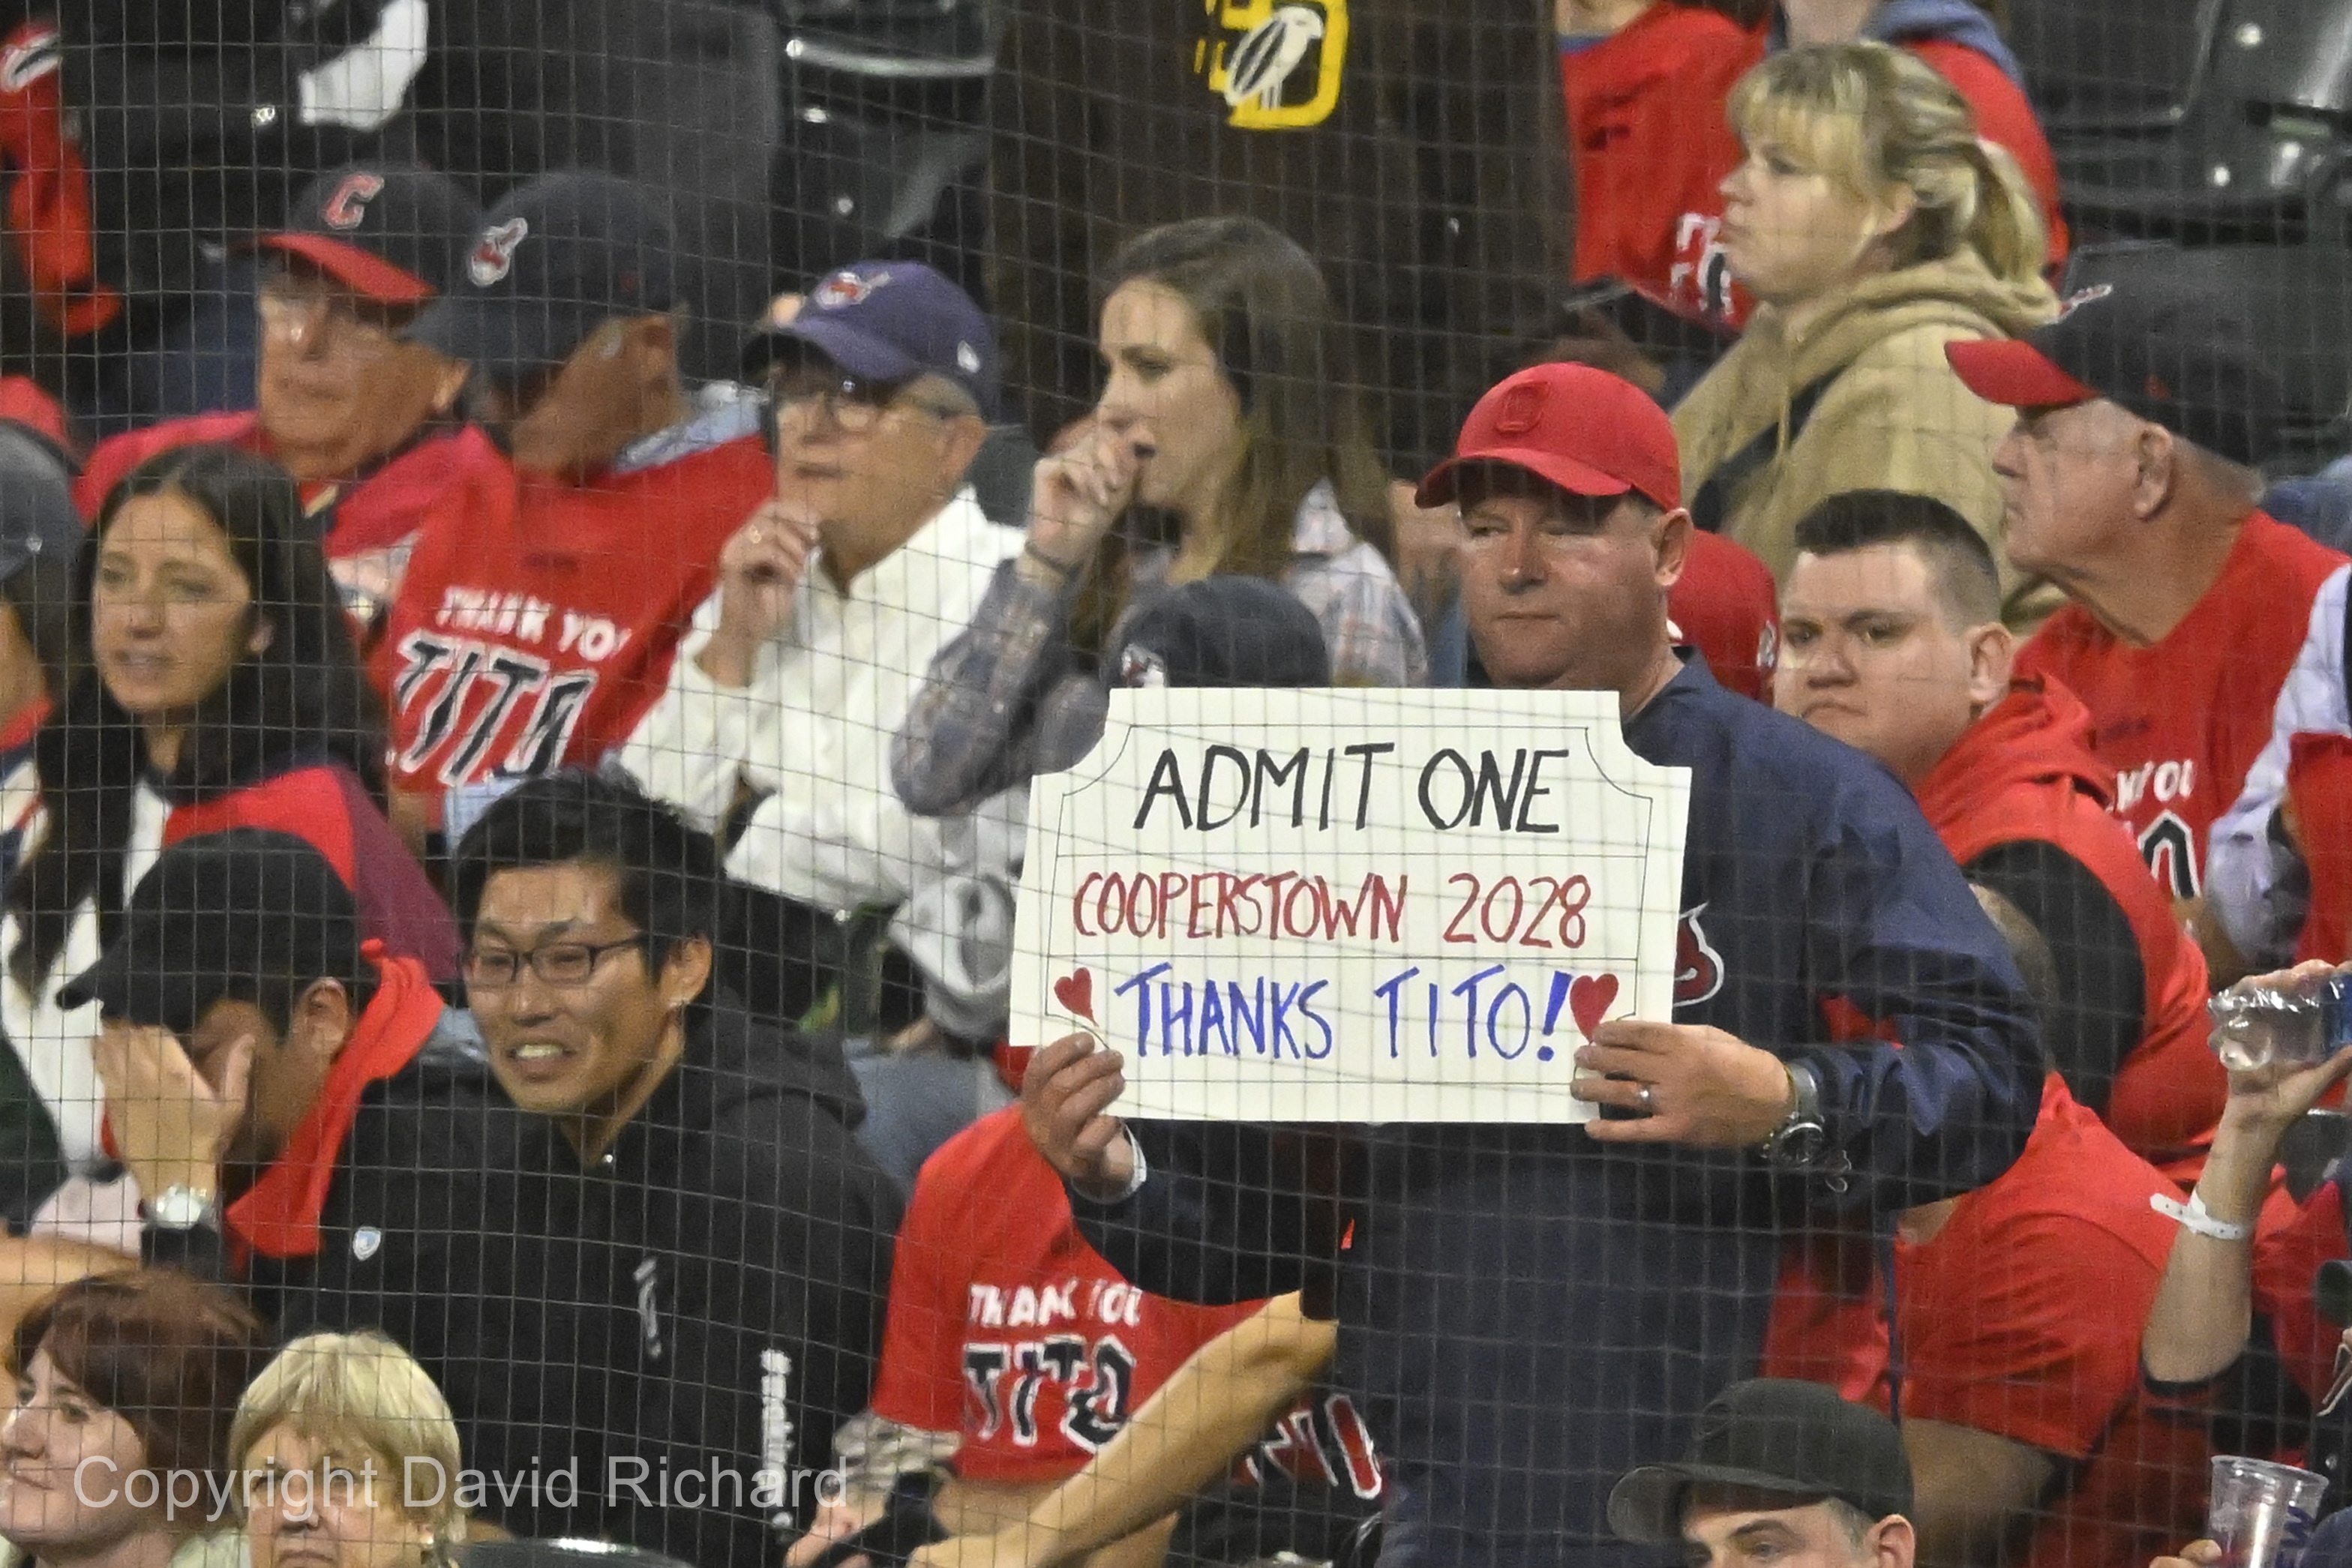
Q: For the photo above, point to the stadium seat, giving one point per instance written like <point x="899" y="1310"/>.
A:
<point x="2205" y="117"/>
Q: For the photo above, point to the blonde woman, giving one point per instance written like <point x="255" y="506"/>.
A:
<point x="351" y="1459"/>
<point x="1874" y="226"/>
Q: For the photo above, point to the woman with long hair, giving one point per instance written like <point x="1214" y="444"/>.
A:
<point x="1229" y="441"/>
<point x="213" y="685"/>
<point x="1874" y="226"/>
<point x="114" y="1451"/>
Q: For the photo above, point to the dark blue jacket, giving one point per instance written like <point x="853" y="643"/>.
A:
<point x="1528" y="1313"/>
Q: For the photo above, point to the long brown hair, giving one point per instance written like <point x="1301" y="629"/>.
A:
<point x="1263" y="308"/>
<point x="167" y="1353"/>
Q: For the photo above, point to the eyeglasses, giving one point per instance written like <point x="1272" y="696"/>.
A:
<point x="855" y="403"/>
<point x="293" y="312"/>
<point x="562" y="965"/>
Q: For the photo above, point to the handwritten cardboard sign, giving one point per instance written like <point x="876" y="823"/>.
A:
<point x="1350" y="905"/>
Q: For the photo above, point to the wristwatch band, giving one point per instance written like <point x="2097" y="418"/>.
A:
<point x="1802" y="1138"/>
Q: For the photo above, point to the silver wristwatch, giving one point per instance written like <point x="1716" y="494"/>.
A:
<point x="181" y="1207"/>
<point x="1802" y="1138"/>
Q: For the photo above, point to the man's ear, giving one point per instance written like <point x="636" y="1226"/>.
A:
<point x="1890" y="1543"/>
<point x="2155" y="452"/>
<point x="686" y="972"/>
<point x="1992" y="654"/>
<point x="1670" y="535"/>
<point x="322" y="1020"/>
<point x="961" y="439"/>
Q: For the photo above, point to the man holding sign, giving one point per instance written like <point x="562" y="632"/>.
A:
<point x="1526" y="1309"/>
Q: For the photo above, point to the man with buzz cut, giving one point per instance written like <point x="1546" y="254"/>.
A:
<point x="1778" y="1473"/>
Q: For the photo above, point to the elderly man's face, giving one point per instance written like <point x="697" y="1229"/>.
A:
<point x="2067" y="478"/>
<point x="338" y="389"/>
<point x="1567" y="592"/>
<point x="1724" y="1528"/>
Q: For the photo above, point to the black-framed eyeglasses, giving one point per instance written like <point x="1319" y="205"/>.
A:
<point x="855" y="402"/>
<point x="562" y="965"/>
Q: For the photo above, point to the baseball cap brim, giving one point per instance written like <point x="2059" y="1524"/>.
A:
<point x="859" y="354"/>
<point x="506" y="338"/>
<point x="1646" y="1504"/>
<point x="356" y="269"/>
<point x="1579" y="478"/>
<point x="134" y="981"/>
<point x="2013" y="372"/>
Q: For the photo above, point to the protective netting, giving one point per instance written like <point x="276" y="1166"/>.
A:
<point x="640" y="632"/>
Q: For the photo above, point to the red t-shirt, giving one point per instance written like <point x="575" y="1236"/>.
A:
<point x="537" y="618"/>
<point x="1007" y="1327"/>
<point x="378" y="512"/>
<point x="2021" y="1318"/>
<point x="1651" y="143"/>
<point x="1727" y="605"/>
<point x="2181" y="721"/>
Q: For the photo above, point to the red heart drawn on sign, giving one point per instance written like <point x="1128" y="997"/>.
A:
<point x="1076" y="992"/>
<point x="1589" y="997"/>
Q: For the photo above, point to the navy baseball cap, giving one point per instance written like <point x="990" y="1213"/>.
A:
<point x="213" y="914"/>
<point x="889" y="322"/>
<point x="389" y="231"/>
<point x="2166" y="348"/>
<point x="1224" y="631"/>
<point x="36" y="511"/>
<point x="1775" y="1436"/>
<point x="554" y="259"/>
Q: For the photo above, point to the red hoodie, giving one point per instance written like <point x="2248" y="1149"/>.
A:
<point x="2025" y="772"/>
<point x="278" y="1215"/>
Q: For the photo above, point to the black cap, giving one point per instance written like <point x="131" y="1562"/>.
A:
<point x="1223" y="632"/>
<point x="36" y="511"/>
<point x="390" y="230"/>
<point x="554" y="259"/>
<point x="1770" y="1435"/>
<point x="889" y="322"/>
<point x="2166" y="349"/>
<point x="215" y="914"/>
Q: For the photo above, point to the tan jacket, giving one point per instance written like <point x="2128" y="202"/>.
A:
<point x="1893" y="417"/>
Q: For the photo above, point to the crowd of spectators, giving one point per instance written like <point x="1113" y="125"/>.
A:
<point x="509" y="848"/>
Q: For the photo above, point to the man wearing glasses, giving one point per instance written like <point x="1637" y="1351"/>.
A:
<point x="834" y="596"/>
<point x="537" y="621"/>
<point x="362" y="420"/>
<point x="647" y="1264"/>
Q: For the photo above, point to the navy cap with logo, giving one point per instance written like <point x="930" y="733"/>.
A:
<point x="1784" y="1440"/>
<point x="389" y="231"/>
<point x="2167" y="350"/>
<point x="889" y="322"/>
<point x="1223" y="632"/>
<point x="212" y="916"/>
<point x="36" y="511"/>
<point x="554" y="259"/>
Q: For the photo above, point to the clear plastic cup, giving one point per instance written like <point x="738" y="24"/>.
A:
<point x="2297" y="1026"/>
<point x="2261" y="1513"/>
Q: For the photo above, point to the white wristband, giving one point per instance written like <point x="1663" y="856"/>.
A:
<point x="2192" y="1214"/>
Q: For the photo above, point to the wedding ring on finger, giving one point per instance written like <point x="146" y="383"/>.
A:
<point x="1649" y="1099"/>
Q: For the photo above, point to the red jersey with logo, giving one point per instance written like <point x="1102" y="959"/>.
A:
<point x="382" y="509"/>
<point x="1650" y="141"/>
<point x="2182" y="720"/>
<point x="48" y="196"/>
<point x="2025" y="772"/>
<point x="537" y="618"/>
<point x="1007" y="1327"/>
<point x="2021" y="1317"/>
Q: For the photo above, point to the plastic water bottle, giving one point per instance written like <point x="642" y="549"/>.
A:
<point x="2296" y="1025"/>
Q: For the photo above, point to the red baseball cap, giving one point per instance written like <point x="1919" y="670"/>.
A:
<point x="1586" y="430"/>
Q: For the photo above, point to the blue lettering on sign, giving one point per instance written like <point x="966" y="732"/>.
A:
<point x="1292" y="1019"/>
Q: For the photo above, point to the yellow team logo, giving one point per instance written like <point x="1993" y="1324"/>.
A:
<point x="1277" y="65"/>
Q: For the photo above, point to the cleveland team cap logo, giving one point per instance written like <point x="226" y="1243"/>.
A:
<point x="494" y="257"/>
